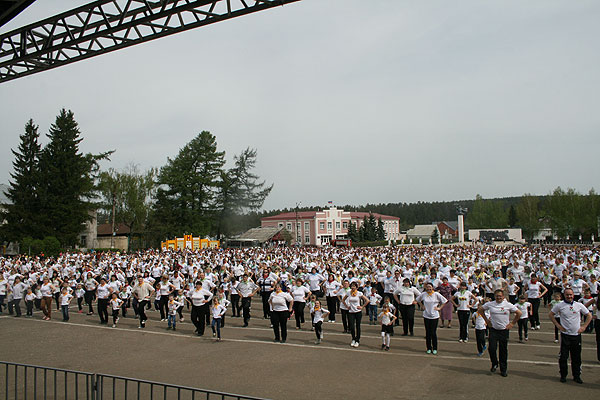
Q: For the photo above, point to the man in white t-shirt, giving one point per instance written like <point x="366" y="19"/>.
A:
<point x="499" y="325"/>
<point x="570" y="326"/>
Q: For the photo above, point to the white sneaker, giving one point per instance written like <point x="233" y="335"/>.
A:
<point x="538" y="328"/>
<point x="353" y="343"/>
<point x="114" y="326"/>
<point x="356" y="344"/>
<point x="321" y="336"/>
<point x="162" y="320"/>
<point x="181" y="319"/>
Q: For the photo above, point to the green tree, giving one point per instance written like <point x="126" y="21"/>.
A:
<point x="239" y="191"/>
<point x="352" y="232"/>
<point x="487" y="214"/>
<point x="512" y="216"/>
<point x="380" y="231"/>
<point x="371" y="228"/>
<point x="67" y="181"/>
<point x="528" y="215"/>
<point x="132" y="193"/>
<point x="188" y="187"/>
<point x="21" y="215"/>
<point x="563" y="209"/>
<point x="435" y="236"/>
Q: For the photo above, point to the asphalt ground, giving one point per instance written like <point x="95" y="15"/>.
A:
<point x="248" y="362"/>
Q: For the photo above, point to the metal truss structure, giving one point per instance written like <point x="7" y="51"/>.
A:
<point x="107" y="25"/>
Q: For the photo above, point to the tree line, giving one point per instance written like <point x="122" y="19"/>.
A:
<point x="56" y="189"/>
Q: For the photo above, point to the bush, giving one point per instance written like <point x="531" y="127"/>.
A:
<point x="49" y="246"/>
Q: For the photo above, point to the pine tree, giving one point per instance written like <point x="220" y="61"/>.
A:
<point x="380" y="233"/>
<point x="67" y="181"/>
<point x="23" y="213"/>
<point x="371" y="230"/>
<point x="352" y="232"/>
<point x="187" y="200"/>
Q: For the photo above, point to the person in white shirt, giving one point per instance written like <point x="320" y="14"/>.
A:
<point x="525" y="307"/>
<point x="18" y="289"/>
<point x="462" y="300"/>
<point x="200" y="299"/>
<point x="499" y="326"/>
<point x="319" y="315"/>
<point x="570" y="326"/>
<point x="480" y="328"/>
<point x="46" y="290"/>
<point x="405" y="296"/>
<point x="431" y="303"/>
<point x="387" y="319"/>
<point x="142" y="291"/>
<point x="172" y="307"/>
<point x="115" y="304"/>
<point x="300" y="293"/>
<point x="331" y="287"/>
<point x="217" y="310"/>
<point x="65" y="299"/>
<point x="103" y="292"/>
<point x="352" y="300"/>
<point x="281" y="304"/>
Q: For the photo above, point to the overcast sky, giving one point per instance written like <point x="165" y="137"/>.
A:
<point x="352" y="101"/>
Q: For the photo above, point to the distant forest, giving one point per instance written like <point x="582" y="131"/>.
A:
<point x="410" y="214"/>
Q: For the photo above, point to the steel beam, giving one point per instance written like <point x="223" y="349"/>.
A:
<point x="107" y="25"/>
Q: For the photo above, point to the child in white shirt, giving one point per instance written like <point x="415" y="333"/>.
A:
<point x="65" y="299"/>
<point x="218" y="311"/>
<point x="115" y="305"/>
<point x="172" y="306"/>
<point x="319" y="315"/>
<point x="387" y="318"/>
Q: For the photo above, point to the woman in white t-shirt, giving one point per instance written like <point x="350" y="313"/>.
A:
<point x="352" y="301"/>
<point x="281" y="306"/>
<point x="46" y="289"/>
<point x="431" y="303"/>
<point x="300" y="293"/>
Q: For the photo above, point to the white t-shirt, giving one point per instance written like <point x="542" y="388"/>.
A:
<point x="406" y="295"/>
<point x="279" y="301"/>
<point x="299" y="293"/>
<point x="65" y="299"/>
<point x="430" y="302"/>
<point x="570" y="316"/>
<point x="524" y="308"/>
<point x="318" y="315"/>
<point x="499" y="313"/>
<point x="463" y="299"/>
<point x="353" y="302"/>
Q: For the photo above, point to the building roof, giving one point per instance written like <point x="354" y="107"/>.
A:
<point x="3" y="190"/>
<point x="450" y="224"/>
<point x="312" y="215"/>
<point x="421" y="230"/>
<point x="261" y="235"/>
<point x="106" y="230"/>
<point x="291" y="215"/>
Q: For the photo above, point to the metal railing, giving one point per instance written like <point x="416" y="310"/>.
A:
<point x="24" y="381"/>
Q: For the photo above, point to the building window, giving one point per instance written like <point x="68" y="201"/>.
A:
<point x="289" y="226"/>
<point x="298" y="226"/>
<point x="306" y="226"/>
<point x="329" y="225"/>
<point x="337" y="225"/>
<point x="321" y="225"/>
<point x="299" y="239"/>
<point x="345" y="225"/>
<point x="306" y="239"/>
<point x="280" y="225"/>
<point x="83" y="241"/>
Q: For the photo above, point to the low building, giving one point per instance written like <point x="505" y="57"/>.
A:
<point x="106" y="240"/>
<point x="448" y="229"/>
<point x="319" y="228"/>
<point x="422" y="232"/>
<point x="261" y="237"/>
<point x="496" y="235"/>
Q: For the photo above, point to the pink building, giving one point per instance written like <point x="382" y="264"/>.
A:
<point x="318" y="228"/>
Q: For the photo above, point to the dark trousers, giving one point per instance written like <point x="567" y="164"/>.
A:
<point x="17" y="306"/>
<point x="103" y="310"/>
<point x="246" y="303"/>
<point x="331" y="306"/>
<point x="29" y="305"/>
<point x="480" y="337"/>
<point x="2" y="297"/>
<point x="65" y="312"/>
<point x="344" y="319"/>
<point x="431" y="333"/>
<point x="235" y="305"/>
<point x="142" y="311"/>
<point x="196" y="316"/>
<point x="265" y="302"/>
<point x="299" y="312"/>
<point x="597" y="328"/>
<point x="463" y="323"/>
<point x="318" y="329"/>
<point x="354" y="319"/>
<point x="279" y="321"/>
<point x="556" y="331"/>
<point x="408" y="318"/>
<point x="570" y="345"/>
<point x="162" y="306"/>
<point x="115" y="316"/>
<point x="522" y="328"/>
<point x="535" y="312"/>
<point x="89" y="298"/>
<point x="204" y="311"/>
<point x="499" y="343"/>
<point x="80" y="303"/>
<point x="216" y="327"/>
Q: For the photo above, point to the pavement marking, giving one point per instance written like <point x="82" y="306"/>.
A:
<point x="354" y="350"/>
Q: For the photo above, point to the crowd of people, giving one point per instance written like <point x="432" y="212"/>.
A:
<point x="482" y="285"/>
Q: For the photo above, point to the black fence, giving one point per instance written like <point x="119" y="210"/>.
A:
<point x="23" y="381"/>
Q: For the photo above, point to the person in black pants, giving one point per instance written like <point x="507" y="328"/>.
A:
<point x="405" y="296"/>
<point x="499" y="327"/>
<point x="235" y="299"/>
<point x="281" y="303"/>
<point x="266" y="284"/>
